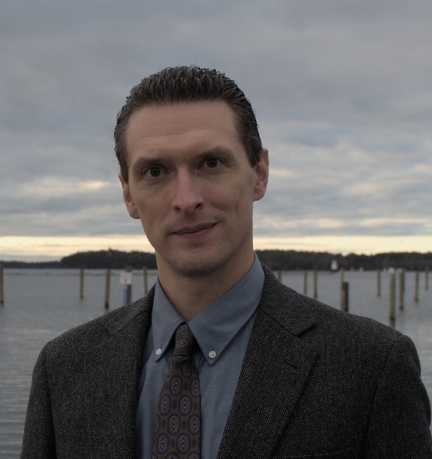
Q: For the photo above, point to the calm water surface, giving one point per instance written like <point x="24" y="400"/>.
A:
<point x="42" y="304"/>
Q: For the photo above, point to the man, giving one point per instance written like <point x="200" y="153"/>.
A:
<point x="257" y="370"/>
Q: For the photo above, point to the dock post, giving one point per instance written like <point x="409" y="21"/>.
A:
<point x="378" y="283"/>
<point x="126" y="280"/>
<point x="315" y="288"/>
<point x="416" y="286"/>
<point x="345" y="296"/>
<point x="81" y="274"/>
<point x="305" y="283"/>
<point x="401" y="289"/>
<point x="279" y="276"/>
<point x="107" y="287"/>
<point x="392" y="298"/>
<point x="145" y="280"/>
<point x="427" y="278"/>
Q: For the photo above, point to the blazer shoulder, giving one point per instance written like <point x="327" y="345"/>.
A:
<point x="324" y="323"/>
<point x="85" y="337"/>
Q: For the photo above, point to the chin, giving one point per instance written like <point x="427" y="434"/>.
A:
<point x="197" y="265"/>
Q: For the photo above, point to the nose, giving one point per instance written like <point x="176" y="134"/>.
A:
<point x="187" y="194"/>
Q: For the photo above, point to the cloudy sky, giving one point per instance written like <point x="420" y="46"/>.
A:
<point x="342" y="91"/>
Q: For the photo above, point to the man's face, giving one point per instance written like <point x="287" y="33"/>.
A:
<point x="192" y="186"/>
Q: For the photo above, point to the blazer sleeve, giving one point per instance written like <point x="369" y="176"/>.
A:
<point x="401" y="414"/>
<point x="39" y="441"/>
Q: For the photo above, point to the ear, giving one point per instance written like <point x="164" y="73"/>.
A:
<point x="127" y="198"/>
<point x="261" y="176"/>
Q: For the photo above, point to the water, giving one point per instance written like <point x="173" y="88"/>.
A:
<point x="41" y="304"/>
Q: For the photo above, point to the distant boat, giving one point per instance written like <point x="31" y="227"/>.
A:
<point x="334" y="266"/>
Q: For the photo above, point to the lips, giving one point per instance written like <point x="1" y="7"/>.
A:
<point x="194" y="229"/>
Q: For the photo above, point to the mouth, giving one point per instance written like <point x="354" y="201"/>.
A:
<point x="194" y="229"/>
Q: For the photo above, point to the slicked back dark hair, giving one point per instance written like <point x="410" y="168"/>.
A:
<point x="188" y="84"/>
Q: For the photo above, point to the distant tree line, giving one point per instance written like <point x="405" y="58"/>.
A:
<point x="275" y="259"/>
<point x="292" y="260"/>
<point x="109" y="259"/>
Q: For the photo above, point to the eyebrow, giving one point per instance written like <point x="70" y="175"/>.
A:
<point x="217" y="151"/>
<point x="142" y="162"/>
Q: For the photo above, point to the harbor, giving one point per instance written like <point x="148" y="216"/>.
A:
<point x="41" y="304"/>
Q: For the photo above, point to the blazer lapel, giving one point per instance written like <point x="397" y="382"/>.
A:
<point x="112" y="372"/>
<point x="275" y="369"/>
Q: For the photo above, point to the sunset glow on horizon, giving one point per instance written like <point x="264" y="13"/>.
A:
<point x="23" y="248"/>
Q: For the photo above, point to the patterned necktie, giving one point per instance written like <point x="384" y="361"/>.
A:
<point x="177" y="433"/>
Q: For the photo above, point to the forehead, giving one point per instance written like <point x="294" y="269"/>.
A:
<point x="180" y="124"/>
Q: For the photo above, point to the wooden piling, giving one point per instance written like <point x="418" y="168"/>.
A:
<point x="401" y="289"/>
<point x="378" y="283"/>
<point x="1" y="284"/>
<point x="416" y="286"/>
<point x="345" y="296"/>
<point x="81" y="283"/>
<point x="305" y="283"/>
<point x="145" y="280"/>
<point x="127" y="288"/>
<point x="392" y="297"/>
<point x="427" y="278"/>
<point x="342" y="273"/>
<point x="279" y="275"/>
<point x="107" y="287"/>
<point x="315" y="280"/>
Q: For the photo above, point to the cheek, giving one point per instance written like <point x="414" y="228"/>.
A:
<point x="150" y="218"/>
<point x="226" y="199"/>
<point x="153" y="205"/>
<point x="236" y="203"/>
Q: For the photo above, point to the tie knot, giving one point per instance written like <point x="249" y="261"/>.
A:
<point x="184" y="341"/>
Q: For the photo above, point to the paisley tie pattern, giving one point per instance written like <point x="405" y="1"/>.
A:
<point x="177" y="433"/>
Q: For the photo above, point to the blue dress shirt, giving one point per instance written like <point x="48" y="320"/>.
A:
<point x="222" y="331"/>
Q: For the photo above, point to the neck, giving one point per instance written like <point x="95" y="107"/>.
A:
<point x="191" y="294"/>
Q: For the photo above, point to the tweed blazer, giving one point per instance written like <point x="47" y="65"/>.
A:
<point x="315" y="383"/>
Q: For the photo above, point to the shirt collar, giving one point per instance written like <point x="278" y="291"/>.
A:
<point x="217" y="325"/>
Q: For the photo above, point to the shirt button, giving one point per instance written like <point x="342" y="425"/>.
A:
<point x="158" y="351"/>
<point x="212" y="354"/>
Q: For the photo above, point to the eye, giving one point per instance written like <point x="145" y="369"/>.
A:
<point x="212" y="163"/>
<point x="153" y="172"/>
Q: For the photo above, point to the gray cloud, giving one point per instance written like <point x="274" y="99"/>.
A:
<point x="342" y="93"/>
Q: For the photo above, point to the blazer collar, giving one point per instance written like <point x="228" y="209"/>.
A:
<point x="140" y="311"/>
<point x="274" y="372"/>
<point x="275" y="369"/>
<point x="110" y="380"/>
<point x="284" y="305"/>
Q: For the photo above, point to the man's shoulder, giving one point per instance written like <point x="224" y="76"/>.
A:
<point x="85" y="337"/>
<point x="324" y="324"/>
